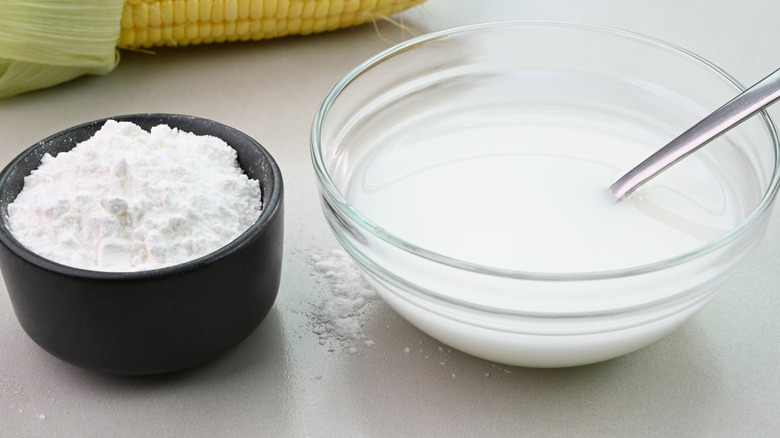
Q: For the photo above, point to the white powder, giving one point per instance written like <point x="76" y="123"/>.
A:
<point x="130" y="200"/>
<point x="350" y="298"/>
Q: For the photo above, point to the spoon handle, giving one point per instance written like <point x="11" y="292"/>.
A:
<point x="759" y="96"/>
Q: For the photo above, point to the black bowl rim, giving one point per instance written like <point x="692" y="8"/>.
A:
<point x="269" y="210"/>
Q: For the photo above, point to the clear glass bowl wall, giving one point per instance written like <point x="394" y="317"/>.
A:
<point x="565" y="318"/>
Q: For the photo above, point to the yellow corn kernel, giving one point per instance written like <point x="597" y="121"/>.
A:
<point x="231" y="11"/>
<point x="205" y="10"/>
<point x="150" y="23"/>
<point x="179" y="13"/>
<point x="295" y="9"/>
<point x="270" y="8"/>
<point x="141" y="16"/>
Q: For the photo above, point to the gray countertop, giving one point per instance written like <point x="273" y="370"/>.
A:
<point x="719" y="375"/>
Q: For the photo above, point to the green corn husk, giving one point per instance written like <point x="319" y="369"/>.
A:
<point x="47" y="42"/>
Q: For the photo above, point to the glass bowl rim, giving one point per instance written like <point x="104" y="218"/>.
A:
<point x="344" y="206"/>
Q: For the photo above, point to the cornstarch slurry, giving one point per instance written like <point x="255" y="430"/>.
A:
<point x="131" y="200"/>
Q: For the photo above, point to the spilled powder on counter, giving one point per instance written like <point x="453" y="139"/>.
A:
<point x="348" y="300"/>
<point x="31" y="401"/>
<point x="130" y="200"/>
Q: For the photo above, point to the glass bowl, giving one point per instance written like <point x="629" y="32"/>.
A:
<point x="467" y="174"/>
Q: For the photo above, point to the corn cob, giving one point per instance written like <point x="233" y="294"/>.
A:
<point x="149" y="23"/>
<point x="47" y="42"/>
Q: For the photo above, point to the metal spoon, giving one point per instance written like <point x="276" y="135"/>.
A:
<point x="764" y="93"/>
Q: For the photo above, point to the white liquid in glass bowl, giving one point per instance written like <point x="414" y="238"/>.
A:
<point x="471" y="186"/>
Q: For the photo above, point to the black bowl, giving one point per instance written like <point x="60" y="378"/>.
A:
<point x="153" y="321"/>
